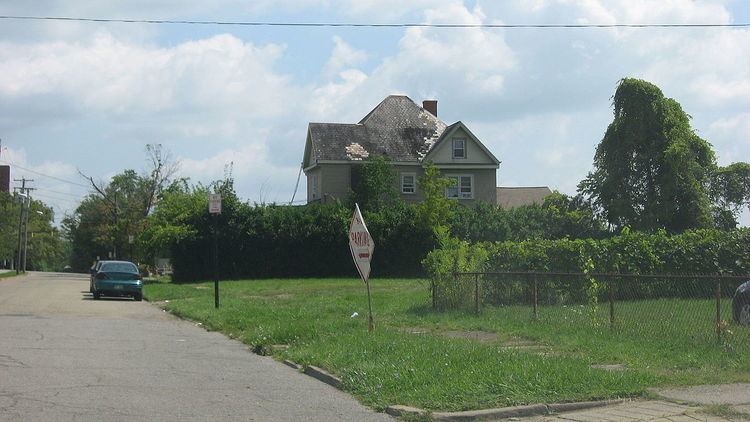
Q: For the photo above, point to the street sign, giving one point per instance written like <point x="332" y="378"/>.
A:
<point x="214" y="203"/>
<point x="360" y="244"/>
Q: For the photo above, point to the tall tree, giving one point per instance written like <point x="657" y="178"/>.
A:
<point x="651" y="170"/>
<point x="46" y="248"/>
<point x="436" y="211"/>
<point x="731" y="191"/>
<point x="111" y="219"/>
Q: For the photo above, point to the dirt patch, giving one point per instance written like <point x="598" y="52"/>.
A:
<point x="202" y="287"/>
<point x="266" y="297"/>
<point x="480" y="336"/>
<point x="611" y="367"/>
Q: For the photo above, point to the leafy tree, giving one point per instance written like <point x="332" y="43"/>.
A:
<point x="730" y="189"/>
<point x="436" y="210"/>
<point x="104" y="222"/>
<point x="46" y="248"/>
<point x="559" y="216"/>
<point x="651" y="170"/>
<point x="374" y="187"/>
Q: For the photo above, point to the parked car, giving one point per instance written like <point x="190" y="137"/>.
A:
<point x="741" y="304"/>
<point x="118" y="278"/>
<point x="92" y="273"/>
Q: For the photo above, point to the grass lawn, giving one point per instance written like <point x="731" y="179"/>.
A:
<point x="9" y="274"/>
<point x="458" y="360"/>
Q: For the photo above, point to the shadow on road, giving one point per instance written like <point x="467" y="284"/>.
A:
<point x="89" y="296"/>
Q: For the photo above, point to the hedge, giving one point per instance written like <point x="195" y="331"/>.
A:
<point x="692" y="252"/>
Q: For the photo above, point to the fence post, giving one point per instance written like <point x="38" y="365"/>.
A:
<point x="476" y="293"/>
<point x="432" y="284"/>
<point x="611" y="283"/>
<point x="718" y="309"/>
<point x="536" y="315"/>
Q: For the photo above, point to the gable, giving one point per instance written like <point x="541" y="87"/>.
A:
<point x="475" y="152"/>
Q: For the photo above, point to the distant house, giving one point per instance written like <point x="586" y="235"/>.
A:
<point x="512" y="197"/>
<point x="409" y="136"/>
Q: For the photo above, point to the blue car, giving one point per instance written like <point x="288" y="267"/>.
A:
<point x="117" y="278"/>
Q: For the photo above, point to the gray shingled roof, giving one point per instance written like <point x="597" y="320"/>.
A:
<point x="397" y="128"/>
<point x="512" y="197"/>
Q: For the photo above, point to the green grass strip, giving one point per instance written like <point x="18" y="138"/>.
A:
<point x="450" y="361"/>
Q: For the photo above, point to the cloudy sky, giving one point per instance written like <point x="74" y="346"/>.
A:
<point x="89" y="96"/>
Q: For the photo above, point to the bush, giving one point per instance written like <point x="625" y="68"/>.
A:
<point x="453" y="256"/>
<point x="693" y="252"/>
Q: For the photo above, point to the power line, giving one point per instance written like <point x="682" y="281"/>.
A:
<point x="381" y="25"/>
<point x="61" y="193"/>
<point x="56" y="198"/>
<point x="45" y="175"/>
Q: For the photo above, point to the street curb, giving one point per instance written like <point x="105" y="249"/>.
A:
<point x="324" y="376"/>
<point x="291" y="364"/>
<point x="505" y="412"/>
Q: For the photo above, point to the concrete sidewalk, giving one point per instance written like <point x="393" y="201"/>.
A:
<point x="677" y="405"/>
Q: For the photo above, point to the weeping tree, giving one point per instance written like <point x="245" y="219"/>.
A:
<point x="651" y="170"/>
<point x="730" y="189"/>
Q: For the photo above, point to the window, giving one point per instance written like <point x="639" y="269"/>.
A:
<point x="462" y="187"/>
<point x="459" y="148"/>
<point x="314" y="186"/>
<point x="408" y="183"/>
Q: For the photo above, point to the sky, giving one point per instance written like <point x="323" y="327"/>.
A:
<point x="83" y="97"/>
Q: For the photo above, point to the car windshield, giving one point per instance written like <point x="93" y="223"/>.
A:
<point x="119" y="267"/>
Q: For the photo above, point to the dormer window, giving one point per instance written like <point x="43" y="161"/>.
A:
<point x="459" y="148"/>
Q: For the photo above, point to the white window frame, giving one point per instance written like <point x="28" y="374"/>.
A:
<point x="463" y="148"/>
<point x="413" y="183"/>
<point x="457" y="188"/>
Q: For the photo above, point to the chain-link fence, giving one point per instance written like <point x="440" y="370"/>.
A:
<point x="697" y="308"/>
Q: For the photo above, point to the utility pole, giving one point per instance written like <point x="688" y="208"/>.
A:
<point x="23" y="223"/>
<point x="114" y="244"/>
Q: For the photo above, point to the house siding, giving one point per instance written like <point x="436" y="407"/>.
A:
<point x="418" y="171"/>
<point x="484" y="184"/>
<point x="474" y="154"/>
<point x="336" y="181"/>
<point x="310" y="174"/>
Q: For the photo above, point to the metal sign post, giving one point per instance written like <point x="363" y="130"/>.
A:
<point x="214" y="208"/>
<point x="362" y="246"/>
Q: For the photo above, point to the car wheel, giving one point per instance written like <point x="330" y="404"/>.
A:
<point x="97" y="295"/>
<point x="138" y="297"/>
<point x="741" y="309"/>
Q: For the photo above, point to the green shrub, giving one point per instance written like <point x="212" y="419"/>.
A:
<point x="454" y="256"/>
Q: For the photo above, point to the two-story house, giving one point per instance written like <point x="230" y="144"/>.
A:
<point x="410" y="136"/>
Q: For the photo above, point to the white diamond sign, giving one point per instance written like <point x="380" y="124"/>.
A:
<point x="360" y="244"/>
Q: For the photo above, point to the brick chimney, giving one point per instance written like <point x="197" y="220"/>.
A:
<point x="431" y="106"/>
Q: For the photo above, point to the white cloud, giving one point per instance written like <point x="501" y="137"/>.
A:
<point x="47" y="179"/>
<point x="343" y="57"/>
<point x="540" y="99"/>
<point x="255" y="176"/>
<point x="105" y="75"/>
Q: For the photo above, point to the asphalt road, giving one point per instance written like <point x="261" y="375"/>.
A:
<point x="66" y="357"/>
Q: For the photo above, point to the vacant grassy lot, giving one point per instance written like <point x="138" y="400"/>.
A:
<point x="457" y="360"/>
